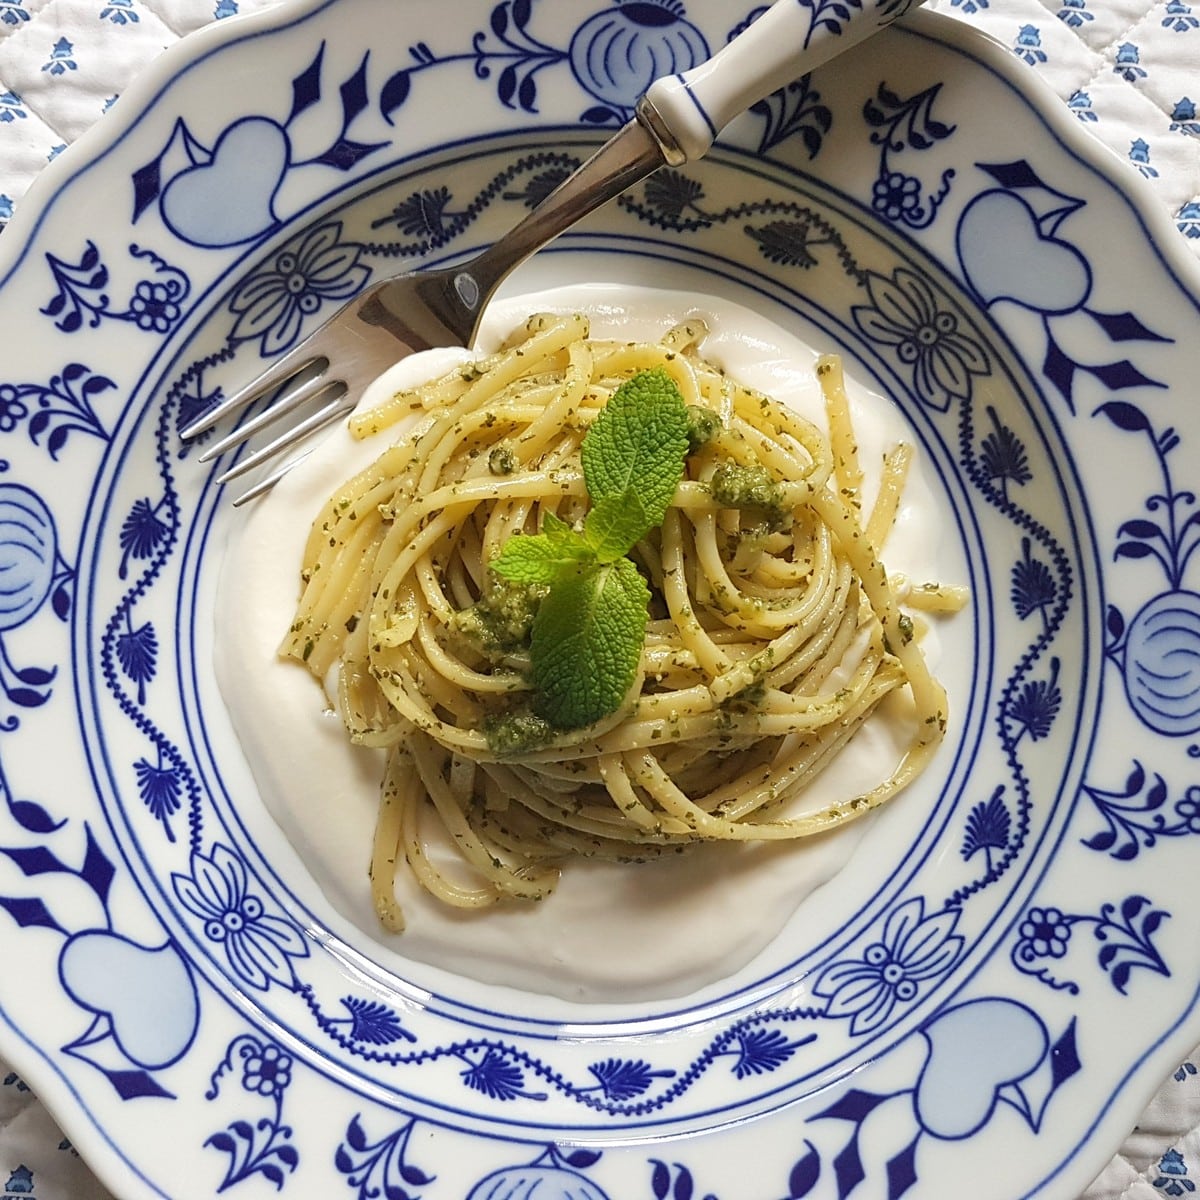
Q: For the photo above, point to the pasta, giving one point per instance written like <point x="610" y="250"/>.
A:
<point x="773" y="633"/>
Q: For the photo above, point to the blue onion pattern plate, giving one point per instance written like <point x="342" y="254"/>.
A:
<point x="981" y="999"/>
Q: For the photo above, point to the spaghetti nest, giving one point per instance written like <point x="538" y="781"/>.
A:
<point x="773" y="632"/>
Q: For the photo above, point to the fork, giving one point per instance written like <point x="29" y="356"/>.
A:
<point x="675" y="122"/>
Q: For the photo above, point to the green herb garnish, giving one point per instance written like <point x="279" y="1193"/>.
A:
<point x="588" y="631"/>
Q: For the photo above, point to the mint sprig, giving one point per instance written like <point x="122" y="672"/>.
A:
<point x="588" y="632"/>
<point x="587" y="640"/>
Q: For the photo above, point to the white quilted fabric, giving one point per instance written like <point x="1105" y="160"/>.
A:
<point x="1128" y="69"/>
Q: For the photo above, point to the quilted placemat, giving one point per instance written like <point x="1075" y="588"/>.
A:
<point x="1128" y="69"/>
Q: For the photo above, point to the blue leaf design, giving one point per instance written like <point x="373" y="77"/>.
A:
<point x="132" y="1085"/>
<point x="581" y="1159"/>
<point x="1064" y="1058"/>
<point x="1060" y="370"/>
<point x="33" y="817"/>
<point x="306" y="87"/>
<point x="1003" y="453"/>
<point x="848" y="1168"/>
<point x="1125" y="327"/>
<point x="1018" y="174"/>
<point x="394" y="93"/>
<point x="1038" y="704"/>
<point x="29" y="910"/>
<point x="142" y="532"/>
<point x="147" y="184"/>
<point x="764" y="1050"/>
<point x="1121" y="375"/>
<point x="902" y="1170"/>
<point x="989" y="825"/>
<point x="374" y="1022"/>
<point x="805" y="1173"/>
<point x="34" y="860"/>
<point x="160" y="789"/>
<point x="97" y="870"/>
<point x="137" y="651"/>
<point x="660" y="1179"/>
<point x="1033" y="586"/>
<point x="623" y="1079"/>
<point x="497" y="1077"/>
<point x="354" y="93"/>
<point x="1125" y="416"/>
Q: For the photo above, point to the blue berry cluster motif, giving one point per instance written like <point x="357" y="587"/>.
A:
<point x="154" y="305"/>
<point x="262" y="1147"/>
<point x="900" y="125"/>
<point x="1125" y="934"/>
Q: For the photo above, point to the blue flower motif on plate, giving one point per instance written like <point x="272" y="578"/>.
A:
<point x="904" y="314"/>
<point x="263" y="1147"/>
<point x="271" y="306"/>
<point x="1125" y="930"/>
<point x="906" y="125"/>
<point x="260" y="947"/>
<point x="912" y="949"/>
<point x="82" y="297"/>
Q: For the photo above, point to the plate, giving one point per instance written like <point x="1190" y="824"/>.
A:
<point x="1000" y="974"/>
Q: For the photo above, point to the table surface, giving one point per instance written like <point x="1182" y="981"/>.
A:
<point x="1128" y="69"/>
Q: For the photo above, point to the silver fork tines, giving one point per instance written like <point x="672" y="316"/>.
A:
<point x="288" y="398"/>
<point x="337" y="402"/>
<point x="301" y="367"/>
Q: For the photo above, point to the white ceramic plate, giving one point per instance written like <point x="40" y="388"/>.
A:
<point x="982" y="998"/>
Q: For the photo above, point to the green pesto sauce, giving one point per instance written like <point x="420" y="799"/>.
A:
<point x="502" y="460"/>
<point x="516" y="732"/>
<point x="703" y="425"/>
<point x="736" y="486"/>
<point x="502" y="619"/>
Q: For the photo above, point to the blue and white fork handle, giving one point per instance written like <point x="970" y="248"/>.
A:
<point x="676" y="122"/>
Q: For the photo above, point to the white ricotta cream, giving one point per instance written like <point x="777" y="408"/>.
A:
<point x="609" y="932"/>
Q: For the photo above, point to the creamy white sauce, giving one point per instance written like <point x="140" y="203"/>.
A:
<point x="609" y="932"/>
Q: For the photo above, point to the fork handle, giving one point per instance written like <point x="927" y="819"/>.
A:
<point x="676" y="121"/>
<point x="790" y="39"/>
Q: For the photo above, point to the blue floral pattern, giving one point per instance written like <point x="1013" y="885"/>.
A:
<point x="259" y="946"/>
<point x="904" y="314"/>
<point x="912" y="950"/>
<point x="938" y="335"/>
<point x="272" y="306"/>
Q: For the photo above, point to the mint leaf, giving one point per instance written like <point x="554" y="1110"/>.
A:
<point x="587" y="642"/>
<point x="638" y="444"/>
<point x="614" y="526"/>
<point x="542" y="557"/>
<point x="587" y="634"/>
